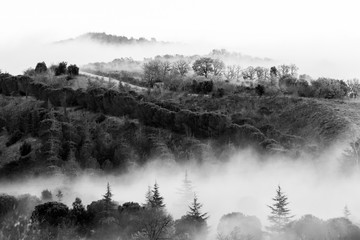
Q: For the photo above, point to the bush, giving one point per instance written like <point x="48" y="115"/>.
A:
<point x="329" y="88"/>
<point x="260" y="90"/>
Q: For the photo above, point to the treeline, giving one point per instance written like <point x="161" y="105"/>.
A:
<point x="187" y="73"/>
<point x="112" y="39"/>
<point x="28" y="217"/>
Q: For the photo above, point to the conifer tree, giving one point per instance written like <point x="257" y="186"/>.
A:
<point x="346" y="212"/>
<point x="195" y="211"/>
<point x="186" y="190"/>
<point x="107" y="218"/>
<point x="280" y="214"/>
<point x="148" y="198"/>
<point x="157" y="200"/>
<point x="108" y="196"/>
<point x="59" y="195"/>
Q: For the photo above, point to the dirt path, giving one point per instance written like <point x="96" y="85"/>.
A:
<point x="114" y="81"/>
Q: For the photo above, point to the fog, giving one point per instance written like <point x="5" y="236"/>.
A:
<point x="316" y="59"/>
<point x="243" y="184"/>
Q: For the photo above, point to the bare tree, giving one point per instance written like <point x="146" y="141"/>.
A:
<point x="219" y="67"/>
<point x="165" y="68"/>
<point x="181" y="66"/>
<point x="293" y="70"/>
<point x="156" y="224"/>
<point x="249" y="73"/>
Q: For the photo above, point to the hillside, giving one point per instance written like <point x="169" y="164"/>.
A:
<point x="104" y="38"/>
<point x="59" y="123"/>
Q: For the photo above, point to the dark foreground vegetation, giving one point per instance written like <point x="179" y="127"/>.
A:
<point x="31" y="218"/>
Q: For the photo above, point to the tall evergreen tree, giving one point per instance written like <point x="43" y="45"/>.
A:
<point x="280" y="215"/>
<point x="59" y="195"/>
<point x="195" y="211"/>
<point x="193" y="224"/>
<point x="108" y="195"/>
<point x="186" y="190"/>
<point x="346" y="212"/>
<point x="148" y="198"/>
<point x="157" y="200"/>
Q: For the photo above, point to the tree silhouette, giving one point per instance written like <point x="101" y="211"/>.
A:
<point x="203" y="66"/>
<point x="148" y="198"/>
<point x="157" y="200"/>
<point x="195" y="211"/>
<point x="346" y="212"/>
<point x="59" y="195"/>
<point x="280" y="214"/>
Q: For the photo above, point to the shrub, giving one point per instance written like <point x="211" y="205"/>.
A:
<point x="260" y="90"/>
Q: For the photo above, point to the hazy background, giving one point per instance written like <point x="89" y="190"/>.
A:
<point x="321" y="36"/>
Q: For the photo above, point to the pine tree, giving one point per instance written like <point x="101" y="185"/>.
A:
<point x="148" y="198"/>
<point x="195" y="210"/>
<point x="59" y="195"/>
<point x="107" y="215"/>
<point x="157" y="199"/>
<point x="108" y="196"/>
<point x="186" y="190"/>
<point x="280" y="214"/>
<point x="346" y="212"/>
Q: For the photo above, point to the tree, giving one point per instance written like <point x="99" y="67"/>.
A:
<point x="181" y="66"/>
<point x="148" y="198"/>
<point x="346" y="212"/>
<point x="157" y="199"/>
<point x="203" y="66"/>
<point x="152" y="72"/>
<point x="280" y="214"/>
<point x="59" y="195"/>
<point x="107" y="197"/>
<point x="60" y="69"/>
<point x="219" y="67"/>
<point x="237" y="226"/>
<point x="7" y="204"/>
<point x="186" y="190"/>
<point x="193" y="224"/>
<point x="79" y="216"/>
<point x="249" y="73"/>
<point x="307" y="227"/>
<point x="46" y="196"/>
<point x="195" y="211"/>
<point x="165" y="68"/>
<point x="41" y="68"/>
<point x="50" y="214"/>
<point x="283" y="70"/>
<point x="73" y="70"/>
<point x="293" y="70"/>
<point x="155" y="224"/>
<point x="274" y="72"/>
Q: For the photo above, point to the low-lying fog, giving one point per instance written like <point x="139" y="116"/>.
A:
<point x="317" y="59"/>
<point x="244" y="184"/>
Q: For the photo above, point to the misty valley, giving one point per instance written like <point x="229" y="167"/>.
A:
<point x="217" y="146"/>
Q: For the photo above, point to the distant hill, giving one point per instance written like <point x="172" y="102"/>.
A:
<point x="104" y="38"/>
